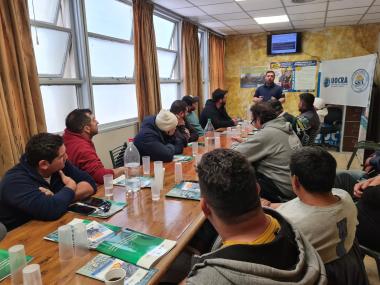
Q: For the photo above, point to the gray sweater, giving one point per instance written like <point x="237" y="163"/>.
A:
<point x="238" y="268"/>
<point x="269" y="150"/>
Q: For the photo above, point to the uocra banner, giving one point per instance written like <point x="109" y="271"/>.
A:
<point x="347" y="81"/>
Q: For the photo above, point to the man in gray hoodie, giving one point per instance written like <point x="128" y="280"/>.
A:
<point x="259" y="246"/>
<point x="269" y="150"/>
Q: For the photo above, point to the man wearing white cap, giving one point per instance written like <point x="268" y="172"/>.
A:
<point x="156" y="137"/>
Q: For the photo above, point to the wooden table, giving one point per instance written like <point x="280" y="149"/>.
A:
<point x="175" y="219"/>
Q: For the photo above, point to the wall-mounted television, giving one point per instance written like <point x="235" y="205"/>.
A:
<point x="284" y="43"/>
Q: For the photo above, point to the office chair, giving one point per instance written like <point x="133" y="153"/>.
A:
<point x="117" y="155"/>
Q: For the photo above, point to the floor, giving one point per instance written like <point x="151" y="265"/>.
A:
<point x="342" y="159"/>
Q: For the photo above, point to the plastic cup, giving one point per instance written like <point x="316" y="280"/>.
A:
<point x="217" y="142"/>
<point x="81" y="243"/>
<point x="65" y="243"/>
<point x="108" y="185"/>
<point x="159" y="173"/>
<point x="17" y="262"/>
<point x="115" y="277"/>
<point x="155" y="187"/>
<point x="198" y="158"/>
<point x="146" y="165"/>
<point x="178" y="172"/>
<point x="216" y="134"/>
<point x="195" y="148"/>
<point x="31" y="275"/>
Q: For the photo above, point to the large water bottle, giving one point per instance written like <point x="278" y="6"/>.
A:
<point x="209" y="136"/>
<point x="132" y="167"/>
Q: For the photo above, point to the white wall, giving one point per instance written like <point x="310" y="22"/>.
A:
<point x="107" y="140"/>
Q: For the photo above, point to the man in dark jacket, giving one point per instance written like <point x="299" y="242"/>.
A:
<point x="184" y="129"/>
<point x="43" y="184"/>
<point x="259" y="246"/>
<point x="216" y="111"/>
<point x="308" y="121"/>
<point x="156" y="137"/>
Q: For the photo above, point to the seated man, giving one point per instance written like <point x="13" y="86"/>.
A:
<point x="346" y="179"/>
<point x="156" y="137"/>
<point x="327" y="217"/>
<point x="191" y="116"/>
<point x="81" y="127"/>
<point x="184" y="129"/>
<point x="216" y="111"/>
<point x="308" y="121"/>
<point x="368" y="193"/>
<point x="269" y="150"/>
<point x="43" y="184"/>
<point x="277" y="106"/>
<point x="259" y="246"/>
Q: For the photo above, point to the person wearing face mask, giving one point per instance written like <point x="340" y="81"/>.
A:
<point x="81" y="127"/>
<point x="269" y="90"/>
<point x="156" y="137"/>
<point x="216" y="111"/>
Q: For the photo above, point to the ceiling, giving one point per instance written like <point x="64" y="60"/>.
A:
<point x="231" y="17"/>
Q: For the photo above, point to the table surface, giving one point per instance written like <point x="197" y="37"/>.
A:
<point x="170" y="218"/>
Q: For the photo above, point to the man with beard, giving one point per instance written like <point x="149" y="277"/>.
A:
<point x="191" y="116"/>
<point x="269" y="90"/>
<point x="184" y="129"/>
<point x="81" y="127"/>
<point x="216" y="111"/>
<point x="308" y="121"/>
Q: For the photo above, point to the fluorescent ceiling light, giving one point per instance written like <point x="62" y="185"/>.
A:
<point x="272" y="19"/>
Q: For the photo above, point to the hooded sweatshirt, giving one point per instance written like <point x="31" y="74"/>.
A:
<point x="289" y="259"/>
<point x="269" y="150"/>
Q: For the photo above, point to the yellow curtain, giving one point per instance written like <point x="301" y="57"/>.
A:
<point x="191" y="61"/>
<point x="21" y="109"/>
<point x="216" y="58"/>
<point x="146" y="66"/>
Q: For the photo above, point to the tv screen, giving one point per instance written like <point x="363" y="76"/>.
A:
<point x="284" y="43"/>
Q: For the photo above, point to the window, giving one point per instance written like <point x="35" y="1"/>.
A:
<point x="111" y="52"/>
<point x="97" y="73"/>
<point x="203" y="51"/>
<point x="166" y="32"/>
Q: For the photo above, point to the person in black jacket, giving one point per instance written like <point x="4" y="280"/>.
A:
<point x="43" y="184"/>
<point x="216" y="111"/>
<point x="184" y="129"/>
<point x="156" y="137"/>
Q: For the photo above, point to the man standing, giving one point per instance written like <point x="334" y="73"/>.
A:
<point x="43" y="184"/>
<point x="258" y="246"/>
<point x="156" y="137"/>
<point x="191" y="116"/>
<point x="216" y="111"/>
<point x="269" y="90"/>
<point x="184" y="129"/>
<point x="81" y="127"/>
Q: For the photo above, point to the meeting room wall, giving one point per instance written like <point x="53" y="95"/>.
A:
<point x="109" y="139"/>
<point x="319" y="44"/>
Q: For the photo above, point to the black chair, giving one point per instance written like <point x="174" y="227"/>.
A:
<point x="117" y="155"/>
<point x="374" y="254"/>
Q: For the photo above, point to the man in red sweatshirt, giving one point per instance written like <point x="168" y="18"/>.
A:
<point x="81" y="126"/>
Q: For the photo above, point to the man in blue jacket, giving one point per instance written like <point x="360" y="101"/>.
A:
<point x="156" y="137"/>
<point x="43" y="184"/>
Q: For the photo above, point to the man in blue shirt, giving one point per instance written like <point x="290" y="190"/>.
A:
<point x="269" y="90"/>
<point x="191" y="116"/>
<point x="43" y="184"/>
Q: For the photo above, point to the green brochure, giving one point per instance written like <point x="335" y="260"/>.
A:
<point x="182" y="158"/>
<point x="185" y="190"/>
<point x="101" y="264"/>
<point x="96" y="232"/>
<point x="145" y="181"/>
<point x="136" y="248"/>
<point x="5" y="270"/>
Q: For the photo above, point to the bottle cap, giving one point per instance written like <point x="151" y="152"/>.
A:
<point x="131" y="139"/>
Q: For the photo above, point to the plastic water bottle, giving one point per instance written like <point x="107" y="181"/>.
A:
<point x="209" y="136"/>
<point x="132" y="167"/>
